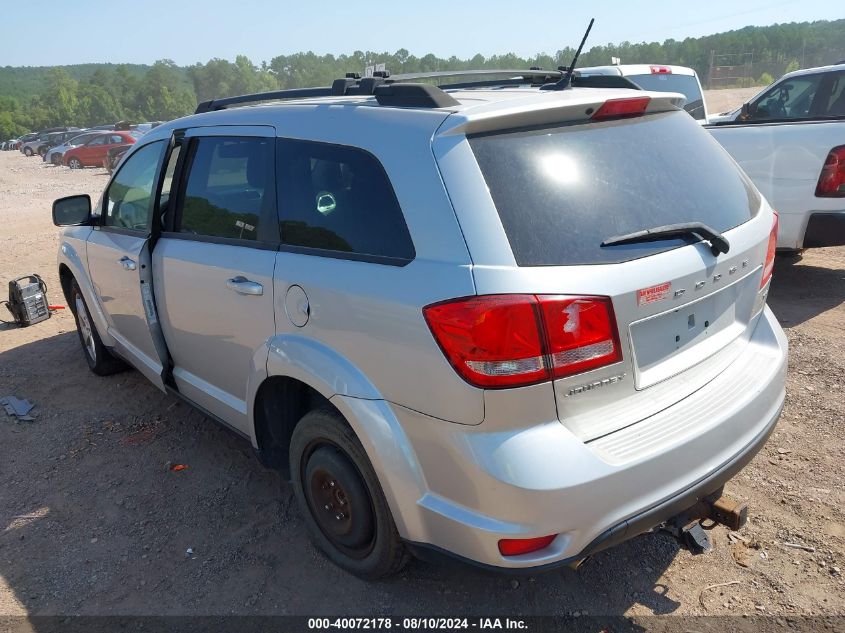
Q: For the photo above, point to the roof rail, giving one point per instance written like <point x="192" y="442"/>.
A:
<point x="536" y="75"/>
<point x="294" y="93"/>
<point x="405" y="90"/>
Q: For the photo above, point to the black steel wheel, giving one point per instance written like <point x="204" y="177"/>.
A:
<point x="341" y="498"/>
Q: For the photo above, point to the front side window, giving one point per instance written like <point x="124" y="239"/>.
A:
<point x="337" y="198"/>
<point x="230" y="189"/>
<point x="789" y="99"/>
<point x="130" y="194"/>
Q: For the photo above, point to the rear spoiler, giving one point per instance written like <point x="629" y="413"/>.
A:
<point x="522" y="113"/>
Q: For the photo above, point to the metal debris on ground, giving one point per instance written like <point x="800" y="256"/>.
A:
<point x="18" y="408"/>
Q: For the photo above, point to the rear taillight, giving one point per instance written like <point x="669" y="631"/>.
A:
<point x="769" y="265"/>
<point x="660" y="70"/>
<point x="499" y="341"/>
<point x="832" y="179"/>
<point x="617" y="108"/>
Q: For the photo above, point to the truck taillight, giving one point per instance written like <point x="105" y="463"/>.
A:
<point x="769" y="265"/>
<point x="832" y="179"/>
<point x="500" y="341"/>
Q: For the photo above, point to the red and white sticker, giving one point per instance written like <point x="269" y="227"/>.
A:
<point x="654" y="293"/>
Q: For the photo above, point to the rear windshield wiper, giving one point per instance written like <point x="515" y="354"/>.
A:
<point x="718" y="242"/>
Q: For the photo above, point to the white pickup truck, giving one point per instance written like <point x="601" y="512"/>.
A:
<point x="790" y="140"/>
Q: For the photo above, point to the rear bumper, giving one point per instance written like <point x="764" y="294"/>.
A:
<point x="479" y="486"/>
<point x="825" y="229"/>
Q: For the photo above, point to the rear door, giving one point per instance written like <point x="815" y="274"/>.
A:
<point x="682" y="313"/>
<point x="119" y="261"/>
<point x="214" y="265"/>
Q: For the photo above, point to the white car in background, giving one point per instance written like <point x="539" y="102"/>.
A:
<point x="790" y="139"/>
<point x="660" y="78"/>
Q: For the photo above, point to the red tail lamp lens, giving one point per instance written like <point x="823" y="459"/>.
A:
<point x="769" y="266"/>
<point x="832" y="178"/>
<point x="517" y="546"/>
<point x="581" y="333"/>
<point x="498" y="341"/>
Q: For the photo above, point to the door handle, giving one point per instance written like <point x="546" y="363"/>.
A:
<point x="127" y="263"/>
<point x="244" y="286"/>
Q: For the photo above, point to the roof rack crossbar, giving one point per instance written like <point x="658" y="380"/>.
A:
<point x="524" y="74"/>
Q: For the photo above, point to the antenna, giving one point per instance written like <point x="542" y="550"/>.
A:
<point x="564" y="81"/>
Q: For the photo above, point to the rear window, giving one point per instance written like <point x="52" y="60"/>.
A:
<point x="666" y="82"/>
<point x="561" y="191"/>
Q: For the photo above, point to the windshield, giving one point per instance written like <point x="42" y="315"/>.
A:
<point x="561" y="191"/>
<point x="685" y="84"/>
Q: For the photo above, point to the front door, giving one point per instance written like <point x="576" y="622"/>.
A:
<point x="214" y="264"/>
<point x="119" y="261"/>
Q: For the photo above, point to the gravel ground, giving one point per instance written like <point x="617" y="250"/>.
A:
<point x="92" y="521"/>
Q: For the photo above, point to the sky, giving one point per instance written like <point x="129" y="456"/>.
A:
<point x="54" y="32"/>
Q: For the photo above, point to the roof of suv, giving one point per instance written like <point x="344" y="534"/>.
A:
<point x="474" y="105"/>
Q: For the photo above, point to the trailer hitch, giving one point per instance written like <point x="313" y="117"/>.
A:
<point x="717" y="508"/>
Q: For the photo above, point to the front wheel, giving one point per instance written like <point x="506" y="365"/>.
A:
<point x="100" y="360"/>
<point x="341" y="498"/>
<point x="75" y="163"/>
<point x="27" y="151"/>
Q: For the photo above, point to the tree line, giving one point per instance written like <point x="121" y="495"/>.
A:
<point x="104" y="93"/>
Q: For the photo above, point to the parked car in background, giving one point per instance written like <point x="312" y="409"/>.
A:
<point x="514" y="326"/>
<point x="57" y="138"/>
<point x="26" y="138"/>
<point x="95" y="150"/>
<point x="147" y="126"/>
<point x="30" y="147"/>
<point x="54" y="154"/>
<point x="662" y="78"/>
<point x="790" y="139"/>
<point x="113" y="157"/>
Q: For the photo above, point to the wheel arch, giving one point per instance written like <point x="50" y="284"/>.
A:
<point x="303" y="374"/>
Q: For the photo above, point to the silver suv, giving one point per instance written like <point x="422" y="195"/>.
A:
<point x="512" y="324"/>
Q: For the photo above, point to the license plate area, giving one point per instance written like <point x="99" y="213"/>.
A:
<point x="671" y="342"/>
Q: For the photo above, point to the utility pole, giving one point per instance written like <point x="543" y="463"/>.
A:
<point x="710" y="71"/>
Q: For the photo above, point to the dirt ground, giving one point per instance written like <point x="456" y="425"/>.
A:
<point x="92" y="521"/>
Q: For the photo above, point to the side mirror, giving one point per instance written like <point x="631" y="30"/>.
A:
<point x="72" y="211"/>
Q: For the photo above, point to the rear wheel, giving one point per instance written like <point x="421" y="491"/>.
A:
<point x="75" y="163"/>
<point x="27" y="151"/>
<point x="341" y="498"/>
<point x="99" y="358"/>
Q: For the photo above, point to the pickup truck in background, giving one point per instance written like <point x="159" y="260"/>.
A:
<point x="660" y="78"/>
<point x="790" y="140"/>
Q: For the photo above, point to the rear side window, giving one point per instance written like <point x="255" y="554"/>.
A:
<point x="560" y="192"/>
<point x="669" y="82"/>
<point x="336" y="198"/>
<point x="229" y="190"/>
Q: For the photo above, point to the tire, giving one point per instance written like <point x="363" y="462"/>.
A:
<point x="341" y="499"/>
<point x="27" y="151"/>
<point x="75" y="163"/>
<point x="100" y="360"/>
